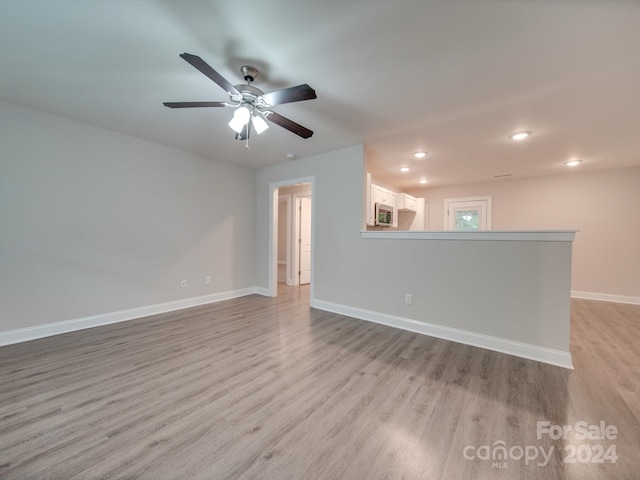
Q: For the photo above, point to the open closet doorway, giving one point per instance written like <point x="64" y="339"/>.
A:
<point x="294" y="234"/>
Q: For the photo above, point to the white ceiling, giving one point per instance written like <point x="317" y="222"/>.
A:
<point x="454" y="78"/>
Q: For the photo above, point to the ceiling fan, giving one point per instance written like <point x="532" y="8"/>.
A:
<point x="252" y="104"/>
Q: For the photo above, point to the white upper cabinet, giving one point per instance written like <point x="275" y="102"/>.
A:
<point x="383" y="196"/>
<point x="406" y="202"/>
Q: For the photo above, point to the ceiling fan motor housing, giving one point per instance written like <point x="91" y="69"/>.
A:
<point x="249" y="73"/>
<point x="249" y="92"/>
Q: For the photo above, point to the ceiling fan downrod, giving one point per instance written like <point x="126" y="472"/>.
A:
<point x="249" y="73"/>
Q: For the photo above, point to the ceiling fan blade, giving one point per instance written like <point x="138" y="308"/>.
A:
<point x="290" y="125"/>
<point x="288" y="95"/>
<point x="205" y="68"/>
<point x="194" y="104"/>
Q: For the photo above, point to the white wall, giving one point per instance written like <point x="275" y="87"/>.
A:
<point x="92" y="221"/>
<point x="518" y="291"/>
<point x="603" y="206"/>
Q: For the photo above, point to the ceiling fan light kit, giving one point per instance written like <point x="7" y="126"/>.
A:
<point x="252" y="104"/>
<point x="240" y="119"/>
<point x="259" y="123"/>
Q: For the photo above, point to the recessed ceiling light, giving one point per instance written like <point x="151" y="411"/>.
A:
<point x="420" y="154"/>
<point x="423" y="181"/>
<point x="519" y="135"/>
<point x="404" y="169"/>
<point x="573" y="163"/>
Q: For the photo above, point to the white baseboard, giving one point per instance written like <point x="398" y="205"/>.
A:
<point x="532" y="352"/>
<point x="605" y="297"/>
<point x="518" y="349"/>
<point x="57" y="328"/>
<point x="265" y="292"/>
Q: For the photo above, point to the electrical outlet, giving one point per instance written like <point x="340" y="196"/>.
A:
<point x="207" y="280"/>
<point x="407" y="298"/>
<point x="183" y="283"/>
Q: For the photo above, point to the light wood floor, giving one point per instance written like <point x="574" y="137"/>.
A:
<point x="270" y="389"/>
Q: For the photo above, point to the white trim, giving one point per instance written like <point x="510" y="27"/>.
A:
<point x="496" y="235"/>
<point x="273" y="242"/>
<point x="57" y="328"/>
<point x="606" y="297"/>
<point x="290" y="268"/>
<point x="295" y="233"/>
<point x="272" y="289"/>
<point x="289" y="255"/>
<point x="265" y="292"/>
<point x="518" y="349"/>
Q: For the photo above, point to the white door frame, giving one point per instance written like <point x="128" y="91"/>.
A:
<point x="295" y="234"/>
<point x="486" y="199"/>
<point x="289" y="269"/>
<point x="272" y="289"/>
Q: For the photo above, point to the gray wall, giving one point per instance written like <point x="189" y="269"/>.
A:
<point x="338" y="206"/>
<point x="517" y="291"/>
<point x="92" y="221"/>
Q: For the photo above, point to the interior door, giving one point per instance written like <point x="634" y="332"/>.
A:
<point x="304" y="239"/>
<point x="468" y="214"/>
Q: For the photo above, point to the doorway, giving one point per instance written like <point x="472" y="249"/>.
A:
<point x="292" y="252"/>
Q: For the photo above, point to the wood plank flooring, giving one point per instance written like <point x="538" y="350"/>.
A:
<point x="261" y="388"/>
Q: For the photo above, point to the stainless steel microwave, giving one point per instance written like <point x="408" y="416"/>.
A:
<point x="384" y="215"/>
